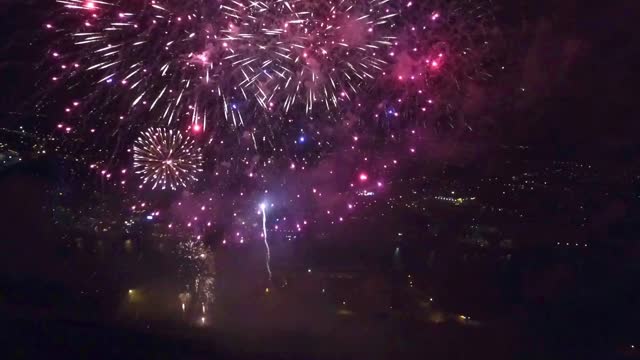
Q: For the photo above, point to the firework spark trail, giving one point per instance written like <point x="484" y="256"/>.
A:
<point x="263" y="208"/>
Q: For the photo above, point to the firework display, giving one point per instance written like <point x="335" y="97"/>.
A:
<point x="166" y="159"/>
<point x="295" y="51"/>
<point x="251" y="63"/>
<point x="316" y="103"/>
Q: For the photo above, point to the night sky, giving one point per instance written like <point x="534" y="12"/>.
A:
<point x="488" y="209"/>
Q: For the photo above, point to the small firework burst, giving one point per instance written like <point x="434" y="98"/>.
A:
<point x="166" y="158"/>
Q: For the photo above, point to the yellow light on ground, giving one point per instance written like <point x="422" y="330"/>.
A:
<point x="134" y="296"/>
<point x="266" y="290"/>
<point x="345" y="312"/>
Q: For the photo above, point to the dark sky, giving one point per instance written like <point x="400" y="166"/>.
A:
<point x="577" y="70"/>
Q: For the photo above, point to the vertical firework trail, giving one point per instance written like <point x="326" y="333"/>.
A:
<point x="263" y="207"/>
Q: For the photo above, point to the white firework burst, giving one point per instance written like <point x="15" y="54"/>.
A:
<point x="166" y="158"/>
